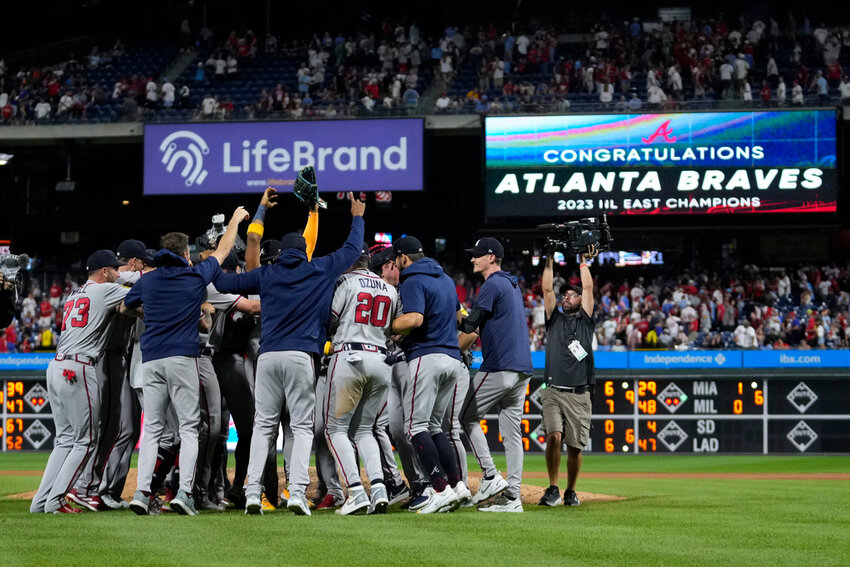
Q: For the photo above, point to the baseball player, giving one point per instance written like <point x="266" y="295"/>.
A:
<point x="363" y="307"/>
<point x="296" y="294"/>
<point x="330" y="494"/>
<point x="438" y="377"/>
<point x="390" y="418"/>
<point x="72" y="383"/>
<point x="172" y="295"/>
<point x="499" y="315"/>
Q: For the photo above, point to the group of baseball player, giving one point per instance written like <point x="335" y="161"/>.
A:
<point x="355" y="354"/>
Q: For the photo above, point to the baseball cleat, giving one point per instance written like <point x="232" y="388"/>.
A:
<point x="357" y="501"/>
<point x="204" y="503"/>
<point x="92" y="502"/>
<point x="416" y="503"/>
<point x="284" y="497"/>
<point x="552" y="497"/>
<point x="298" y="505"/>
<point x="267" y="506"/>
<point x="490" y="488"/>
<point x="111" y="503"/>
<point x="437" y="501"/>
<point x="66" y="508"/>
<point x="502" y="504"/>
<point x="140" y="503"/>
<point x="398" y="494"/>
<point x="329" y="502"/>
<point x="253" y="504"/>
<point x="570" y="498"/>
<point x="184" y="504"/>
<point x="380" y="501"/>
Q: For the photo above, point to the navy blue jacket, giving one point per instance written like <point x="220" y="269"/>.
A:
<point x="504" y="335"/>
<point x="296" y="294"/>
<point x="425" y="288"/>
<point x="172" y="296"/>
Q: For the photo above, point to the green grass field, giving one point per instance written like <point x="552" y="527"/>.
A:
<point x="663" y="521"/>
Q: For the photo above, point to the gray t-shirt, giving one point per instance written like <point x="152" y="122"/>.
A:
<point x="562" y="367"/>
<point x="88" y="311"/>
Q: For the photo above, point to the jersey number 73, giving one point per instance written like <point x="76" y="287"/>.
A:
<point x="81" y="317"/>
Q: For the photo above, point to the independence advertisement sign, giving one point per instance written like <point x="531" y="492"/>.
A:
<point x="348" y="155"/>
<point x="686" y="163"/>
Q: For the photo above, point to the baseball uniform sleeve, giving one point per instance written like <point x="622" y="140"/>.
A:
<point x="113" y="293"/>
<point x="340" y="296"/>
<point x="133" y="299"/>
<point x="223" y="302"/>
<point x="247" y="283"/>
<point x="412" y="296"/>
<point x="341" y="260"/>
<point x="208" y="269"/>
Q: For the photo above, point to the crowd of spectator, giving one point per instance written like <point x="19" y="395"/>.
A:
<point x="807" y="307"/>
<point x="803" y="308"/>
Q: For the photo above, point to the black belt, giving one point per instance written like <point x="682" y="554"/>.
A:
<point x="81" y="358"/>
<point x="360" y="346"/>
<point x="207" y="351"/>
<point x="570" y="389"/>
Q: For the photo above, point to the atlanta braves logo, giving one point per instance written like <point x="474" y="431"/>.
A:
<point x="663" y="131"/>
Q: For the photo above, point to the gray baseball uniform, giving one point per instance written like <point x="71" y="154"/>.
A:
<point x="72" y="388"/>
<point x="325" y="462"/>
<point x="363" y="308"/>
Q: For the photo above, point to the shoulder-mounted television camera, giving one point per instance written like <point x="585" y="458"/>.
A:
<point x="573" y="237"/>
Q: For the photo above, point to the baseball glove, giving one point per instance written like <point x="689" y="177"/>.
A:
<point x="306" y="189"/>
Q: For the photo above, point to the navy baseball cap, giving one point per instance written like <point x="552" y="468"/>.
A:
<point x="269" y="250"/>
<point x="379" y="258"/>
<point x="134" y="249"/>
<point x="231" y="262"/>
<point x="407" y="245"/>
<point x="293" y="240"/>
<point x="102" y="259"/>
<point x="487" y="245"/>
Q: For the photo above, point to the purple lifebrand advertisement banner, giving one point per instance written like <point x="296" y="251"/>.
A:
<point x="247" y="157"/>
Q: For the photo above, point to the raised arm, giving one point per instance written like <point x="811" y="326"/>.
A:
<point x="546" y="282"/>
<point x="587" y="280"/>
<point x="229" y="237"/>
<point x="257" y="227"/>
<point x="311" y="231"/>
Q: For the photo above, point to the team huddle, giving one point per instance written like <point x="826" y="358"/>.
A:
<point x="354" y="354"/>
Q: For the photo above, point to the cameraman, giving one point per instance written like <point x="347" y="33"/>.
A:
<point x="7" y="302"/>
<point x="569" y="376"/>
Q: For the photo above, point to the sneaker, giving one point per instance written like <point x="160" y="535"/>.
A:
<point x="380" y="500"/>
<point x="490" y="488"/>
<point x="140" y="503"/>
<point x="92" y="502"/>
<point x="267" y="506"/>
<point x="418" y="500"/>
<point x="66" y="508"/>
<point x="236" y="494"/>
<point x="357" y="501"/>
<point x="398" y="493"/>
<point x="111" y="503"/>
<point x="298" y="504"/>
<point x="329" y="502"/>
<point x="552" y="497"/>
<point x="155" y="508"/>
<point x="253" y="504"/>
<point x="503" y="504"/>
<point x="168" y="496"/>
<point x="571" y="498"/>
<point x="204" y="503"/>
<point x="464" y="496"/>
<point x="438" y="500"/>
<point x="184" y="504"/>
<point x="284" y="498"/>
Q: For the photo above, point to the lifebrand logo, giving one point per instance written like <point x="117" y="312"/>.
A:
<point x="663" y="131"/>
<point x="192" y="155"/>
